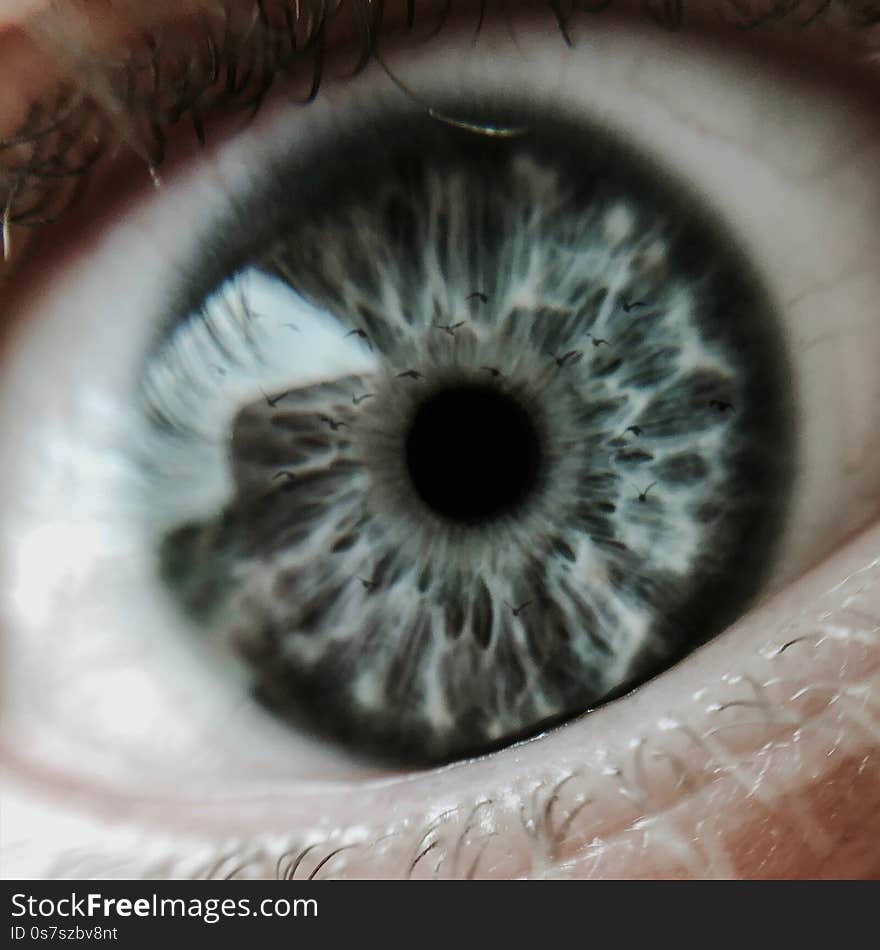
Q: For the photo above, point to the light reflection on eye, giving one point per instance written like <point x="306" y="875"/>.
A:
<point x="734" y="175"/>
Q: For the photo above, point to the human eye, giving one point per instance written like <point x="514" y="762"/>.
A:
<point x="161" y="321"/>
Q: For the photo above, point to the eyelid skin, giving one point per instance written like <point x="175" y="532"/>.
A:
<point x="769" y="769"/>
<point x="89" y="40"/>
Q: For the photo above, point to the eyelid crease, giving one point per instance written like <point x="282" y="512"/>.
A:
<point x="224" y="57"/>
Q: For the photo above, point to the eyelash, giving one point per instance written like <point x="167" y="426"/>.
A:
<point x="149" y="89"/>
<point x="152" y="85"/>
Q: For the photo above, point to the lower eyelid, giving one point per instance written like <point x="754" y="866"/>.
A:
<point x="778" y="744"/>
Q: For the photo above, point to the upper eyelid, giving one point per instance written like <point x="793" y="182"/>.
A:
<point x="133" y="93"/>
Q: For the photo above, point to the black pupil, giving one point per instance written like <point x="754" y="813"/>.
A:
<point x="473" y="453"/>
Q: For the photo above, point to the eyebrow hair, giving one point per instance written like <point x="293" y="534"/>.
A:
<point x="209" y="57"/>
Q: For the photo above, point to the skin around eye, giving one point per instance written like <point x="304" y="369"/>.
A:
<point x="605" y="761"/>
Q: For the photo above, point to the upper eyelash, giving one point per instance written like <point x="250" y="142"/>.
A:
<point x="145" y="89"/>
<point x="134" y="98"/>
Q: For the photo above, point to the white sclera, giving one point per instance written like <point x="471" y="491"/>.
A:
<point x="97" y="680"/>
